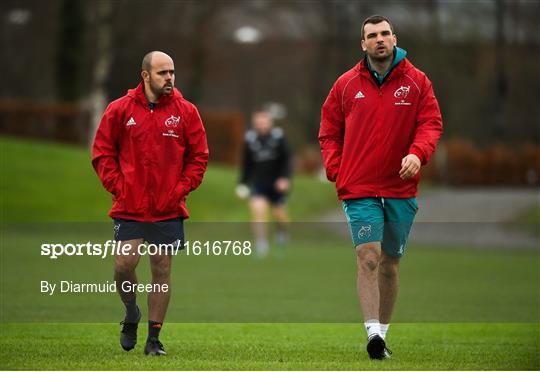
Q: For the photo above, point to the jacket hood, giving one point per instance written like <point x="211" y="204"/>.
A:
<point x="399" y="55"/>
<point x="138" y="95"/>
<point x="396" y="66"/>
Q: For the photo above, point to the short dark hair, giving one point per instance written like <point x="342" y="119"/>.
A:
<point x="259" y="111"/>
<point x="147" y="61"/>
<point x="374" y="19"/>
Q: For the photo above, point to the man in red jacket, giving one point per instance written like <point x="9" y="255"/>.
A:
<point x="379" y="124"/>
<point x="149" y="152"/>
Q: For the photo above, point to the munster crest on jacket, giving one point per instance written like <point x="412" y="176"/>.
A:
<point x="172" y="122"/>
<point x="402" y="92"/>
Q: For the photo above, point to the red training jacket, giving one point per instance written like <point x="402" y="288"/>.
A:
<point x="150" y="160"/>
<point x="366" y="130"/>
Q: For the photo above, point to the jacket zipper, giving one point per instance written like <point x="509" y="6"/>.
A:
<point x="377" y="170"/>
<point x="149" y="185"/>
<point x="386" y="81"/>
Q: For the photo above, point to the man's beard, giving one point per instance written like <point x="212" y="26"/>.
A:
<point x="158" y="91"/>
<point x="381" y="59"/>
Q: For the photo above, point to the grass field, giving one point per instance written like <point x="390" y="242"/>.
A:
<point x="458" y="308"/>
<point x="45" y="182"/>
<point x="274" y="346"/>
<point x="529" y="220"/>
<point x="314" y="272"/>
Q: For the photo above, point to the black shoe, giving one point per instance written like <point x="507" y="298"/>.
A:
<point x="154" y="347"/>
<point x="128" y="335"/>
<point x="376" y="348"/>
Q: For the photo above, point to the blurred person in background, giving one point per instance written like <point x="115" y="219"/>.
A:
<point x="149" y="152"/>
<point x="379" y="125"/>
<point x="266" y="179"/>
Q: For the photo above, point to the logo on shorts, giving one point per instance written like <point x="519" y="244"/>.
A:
<point x="116" y="228"/>
<point x="176" y="246"/>
<point x="364" y="232"/>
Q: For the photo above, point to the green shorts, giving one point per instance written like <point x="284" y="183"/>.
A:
<point x="384" y="220"/>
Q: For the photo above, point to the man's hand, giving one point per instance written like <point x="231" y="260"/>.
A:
<point x="410" y="165"/>
<point x="242" y="191"/>
<point x="282" y="184"/>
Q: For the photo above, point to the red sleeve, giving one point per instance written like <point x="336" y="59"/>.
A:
<point x="105" y="153"/>
<point x="196" y="155"/>
<point x="428" y="124"/>
<point x="331" y="134"/>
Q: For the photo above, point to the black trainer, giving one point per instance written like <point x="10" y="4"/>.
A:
<point x="128" y="334"/>
<point x="154" y="347"/>
<point x="376" y="348"/>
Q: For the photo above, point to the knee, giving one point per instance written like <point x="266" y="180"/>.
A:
<point x="280" y="214"/>
<point x="389" y="268"/>
<point x="369" y="256"/>
<point x="161" y="271"/>
<point x="124" y="265"/>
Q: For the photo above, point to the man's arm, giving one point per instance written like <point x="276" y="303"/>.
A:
<point x="283" y="182"/>
<point x="331" y="134"/>
<point x="105" y="153"/>
<point x="428" y="132"/>
<point x="195" y="156"/>
<point x="247" y="164"/>
<point x="285" y="166"/>
<point x="428" y="125"/>
<point x="246" y="167"/>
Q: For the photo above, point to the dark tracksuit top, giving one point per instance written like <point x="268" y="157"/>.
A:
<point x="265" y="158"/>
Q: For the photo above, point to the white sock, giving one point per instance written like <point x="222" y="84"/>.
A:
<point x="384" y="329"/>
<point x="262" y="247"/>
<point x="282" y="238"/>
<point x="373" y="327"/>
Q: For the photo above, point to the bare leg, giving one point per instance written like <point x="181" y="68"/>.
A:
<point x="281" y="215"/>
<point x="282" y="221"/>
<point x="124" y="268"/>
<point x="158" y="302"/>
<point x="124" y="271"/>
<point x="368" y="256"/>
<point x="388" y="286"/>
<point x="259" y="214"/>
<point x="259" y="210"/>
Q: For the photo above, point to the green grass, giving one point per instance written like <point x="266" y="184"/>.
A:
<point x="422" y="346"/>
<point x="315" y="272"/>
<point x="529" y="220"/>
<point x="52" y="182"/>
<point x="533" y="215"/>
<point x="457" y="309"/>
